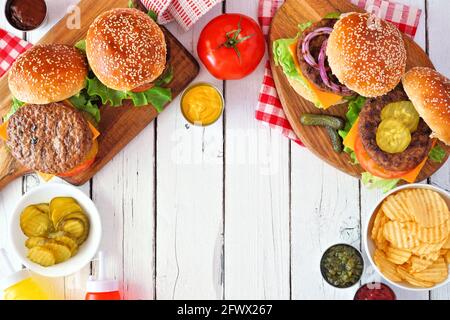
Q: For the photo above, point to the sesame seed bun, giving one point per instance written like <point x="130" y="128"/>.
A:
<point x="126" y="49"/>
<point x="368" y="61"/>
<point x="50" y="138"/>
<point x="429" y="91"/>
<point x="48" y="73"/>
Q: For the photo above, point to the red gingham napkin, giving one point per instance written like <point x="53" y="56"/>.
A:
<point x="10" y="48"/>
<point x="185" y="12"/>
<point x="268" y="109"/>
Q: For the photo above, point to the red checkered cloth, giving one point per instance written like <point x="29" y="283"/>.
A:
<point x="185" y="12"/>
<point x="269" y="110"/>
<point x="10" y="48"/>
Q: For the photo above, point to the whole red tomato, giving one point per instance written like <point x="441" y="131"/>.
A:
<point x="231" y="46"/>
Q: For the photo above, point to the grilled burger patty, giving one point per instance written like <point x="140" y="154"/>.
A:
<point x="52" y="138"/>
<point x="308" y="71"/>
<point x="370" y="118"/>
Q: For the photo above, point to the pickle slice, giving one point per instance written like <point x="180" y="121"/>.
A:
<point x="74" y="227"/>
<point x="403" y="111"/>
<point x="42" y="256"/>
<point x="35" y="223"/>
<point x="35" y="241"/>
<point x="60" y="251"/>
<point x="44" y="207"/>
<point x="62" y="206"/>
<point x="393" y="136"/>
<point x="68" y="242"/>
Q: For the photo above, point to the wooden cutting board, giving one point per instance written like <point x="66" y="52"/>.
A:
<point x="118" y="126"/>
<point x="284" y="25"/>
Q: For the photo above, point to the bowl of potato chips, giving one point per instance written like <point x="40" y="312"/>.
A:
<point x="55" y="230"/>
<point x="408" y="237"/>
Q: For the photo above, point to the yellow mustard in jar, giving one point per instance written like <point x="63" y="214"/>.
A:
<point x="202" y="104"/>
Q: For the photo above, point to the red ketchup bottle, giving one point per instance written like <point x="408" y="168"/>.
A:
<point x="100" y="288"/>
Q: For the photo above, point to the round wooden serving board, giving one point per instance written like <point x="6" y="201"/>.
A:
<point x="284" y="25"/>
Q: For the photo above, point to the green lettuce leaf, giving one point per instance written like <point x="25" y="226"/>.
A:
<point x="156" y="96"/>
<point x="152" y="14"/>
<point x="83" y="102"/>
<point x="333" y="15"/>
<point x="437" y="154"/>
<point x="16" y="104"/>
<point x="372" y="182"/>
<point x="283" y="58"/>
<point x="355" y="105"/>
<point x="130" y="4"/>
<point x="165" y="78"/>
<point x="81" y="45"/>
<point x="303" y="26"/>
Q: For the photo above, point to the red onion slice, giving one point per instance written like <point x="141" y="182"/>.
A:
<point x="324" y="75"/>
<point x="305" y="45"/>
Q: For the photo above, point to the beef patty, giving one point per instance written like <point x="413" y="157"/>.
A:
<point x="311" y="73"/>
<point x="52" y="138"/>
<point x="370" y="118"/>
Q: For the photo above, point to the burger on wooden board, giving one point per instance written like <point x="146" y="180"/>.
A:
<point x="50" y="127"/>
<point x="127" y="53"/>
<point x="361" y="59"/>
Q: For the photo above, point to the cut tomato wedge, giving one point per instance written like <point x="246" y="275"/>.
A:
<point x="368" y="164"/>
<point x="89" y="160"/>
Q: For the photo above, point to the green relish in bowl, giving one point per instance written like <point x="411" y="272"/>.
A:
<point x="342" y="266"/>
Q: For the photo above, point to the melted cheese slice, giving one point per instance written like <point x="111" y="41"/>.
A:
<point x="3" y="131"/>
<point x="326" y="99"/>
<point x="410" y="177"/>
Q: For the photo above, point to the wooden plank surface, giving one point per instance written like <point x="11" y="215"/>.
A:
<point x="118" y="126"/>
<point x="189" y="197"/>
<point x="284" y="25"/>
<point x="322" y="205"/>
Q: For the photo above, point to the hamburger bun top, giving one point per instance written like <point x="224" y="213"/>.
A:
<point x="126" y="49"/>
<point x="48" y="73"/>
<point x="50" y="138"/>
<point x="429" y="91"/>
<point x="366" y="54"/>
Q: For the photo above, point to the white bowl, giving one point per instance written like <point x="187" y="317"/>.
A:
<point x="369" y="245"/>
<point x="87" y="250"/>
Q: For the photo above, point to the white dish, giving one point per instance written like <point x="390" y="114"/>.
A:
<point x="43" y="194"/>
<point x="369" y="245"/>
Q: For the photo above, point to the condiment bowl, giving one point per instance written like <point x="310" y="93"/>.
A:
<point x="196" y="85"/>
<point x="369" y="244"/>
<point x="6" y="12"/>
<point x="43" y="194"/>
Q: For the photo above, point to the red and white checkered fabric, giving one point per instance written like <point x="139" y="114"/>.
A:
<point x="268" y="109"/>
<point x="10" y="48"/>
<point x="185" y="12"/>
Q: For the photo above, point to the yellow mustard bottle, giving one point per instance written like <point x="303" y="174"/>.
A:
<point x="202" y="104"/>
<point x="19" y="285"/>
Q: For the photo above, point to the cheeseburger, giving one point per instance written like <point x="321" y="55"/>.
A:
<point x="51" y="125"/>
<point x="394" y="134"/>
<point x="341" y="56"/>
<point x="127" y="52"/>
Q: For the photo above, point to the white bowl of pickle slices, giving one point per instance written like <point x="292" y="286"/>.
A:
<point x="55" y="230"/>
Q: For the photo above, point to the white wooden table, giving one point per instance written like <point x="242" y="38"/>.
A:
<point x="231" y="211"/>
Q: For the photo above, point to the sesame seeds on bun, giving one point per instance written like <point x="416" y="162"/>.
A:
<point x="48" y="73"/>
<point x="126" y="49"/>
<point x="429" y="91"/>
<point x="369" y="59"/>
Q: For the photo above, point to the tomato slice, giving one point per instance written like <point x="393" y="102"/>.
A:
<point x="89" y="160"/>
<point x="368" y="164"/>
<point x="143" y="88"/>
